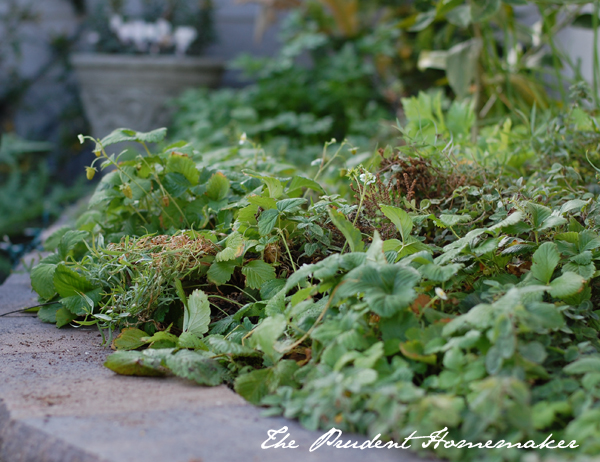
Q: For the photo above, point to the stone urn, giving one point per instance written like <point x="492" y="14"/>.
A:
<point x="133" y="91"/>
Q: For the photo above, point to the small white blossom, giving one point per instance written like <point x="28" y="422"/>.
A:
<point x="243" y="138"/>
<point x="367" y="178"/>
<point x="317" y="161"/>
<point x="440" y="293"/>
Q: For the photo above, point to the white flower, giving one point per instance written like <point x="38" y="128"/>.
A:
<point x="317" y="161"/>
<point x="440" y="293"/>
<point x="183" y="38"/>
<point x="367" y="178"/>
<point x="243" y="138"/>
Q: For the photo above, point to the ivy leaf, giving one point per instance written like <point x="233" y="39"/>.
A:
<point x="257" y="272"/>
<point x="196" y="366"/>
<point x="352" y="235"/>
<point x="399" y="218"/>
<point x="196" y="317"/>
<point x="566" y="285"/>
<point x="545" y="259"/>
<point x="267" y="220"/>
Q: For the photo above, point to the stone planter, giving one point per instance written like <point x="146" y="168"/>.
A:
<point x="132" y="91"/>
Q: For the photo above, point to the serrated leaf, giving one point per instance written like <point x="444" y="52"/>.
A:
<point x="566" y="285"/>
<point x="399" y="218"/>
<point x="453" y="220"/>
<point x="253" y="386"/>
<point x="220" y="272"/>
<point x="234" y="248"/>
<point x="267" y="333"/>
<point x="539" y="213"/>
<point x="439" y="273"/>
<point x="267" y="220"/>
<point x="387" y="289"/>
<point x="196" y="317"/>
<point x="196" y="366"/>
<point x="217" y="187"/>
<point x="64" y="317"/>
<point x="352" y="235"/>
<point x="257" y="272"/>
<point x="191" y="341"/>
<point x="185" y="166"/>
<point x="42" y="280"/>
<point x="131" y="363"/>
<point x="82" y="304"/>
<point x="125" y="134"/>
<point x="48" y="313"/>
<point x="290" y="205"/>
<point x="299" y="182"/>
<point x="68" y="282"/>
<point x="68" y="241"/>
<point x="222" y="346"/>
<point x="130" y="338"/>
<point x="545" y="259"/>
<point x="583" y="366"/>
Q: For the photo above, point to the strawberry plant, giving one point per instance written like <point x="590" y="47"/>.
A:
<point x="394" y="305"/>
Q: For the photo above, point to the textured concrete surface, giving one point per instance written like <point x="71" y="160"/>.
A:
<point x="59" y="404"/>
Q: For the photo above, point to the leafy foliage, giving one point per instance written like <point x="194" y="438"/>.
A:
<point x="407" y="307"/>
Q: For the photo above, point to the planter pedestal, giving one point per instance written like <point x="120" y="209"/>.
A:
<point x="132" y="91"/>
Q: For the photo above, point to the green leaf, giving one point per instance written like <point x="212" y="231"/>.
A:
<point x="423" y="20"/>
<point x="64" y="317"/>
<point x="482" y="10"/>
<point x="352" y="235"/>
<point x="267" y="333"/>
<point x="68" y="242"/>
<point x="413" y="349"/>
<point x="68" y="282"/>
<point x="566" y="285"/>
<point x="539" y="213"/>
<point x="290" y="205"/>
<point x="439" y="273"/>
<point x="267" y="220"/>
<point x="217" y="187"/>
<point x="195" y="366"/>
<point x="257" y="272"/>
<point x="185" y="166"/>
<point x="253" y="387"/>
<point x="545" y="259"/>
<point x="234" y="248"/>
<point x="387" y="289"/>
<point x="196" y="317"/>
<point x="461" y="67"/>
<point x="299" y="182"/>
<point x="189" y="340"/>
<point x="583" y="366"/>
<point x="48" y="313"/>
<point x="131" y="363"/>
<point x="82" y="304"/>
<point x="222" y="346"/>
<point x="42" y="280"/>
<point x="220" y="272"/>
<point x="125" y="134"/>
<point x="399" y="218"/>
<point x="130" y="338"/>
